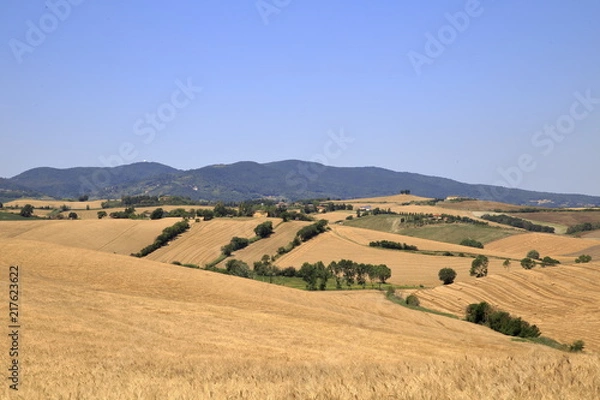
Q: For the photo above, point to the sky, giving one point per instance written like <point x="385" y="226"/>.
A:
<point x="493" y="92"/>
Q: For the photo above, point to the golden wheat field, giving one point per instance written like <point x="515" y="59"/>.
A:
<point x="407" y="268"/>
<point x="284" y="234"/>
<point x="202" y="243"/>
<point x="104" y="326"/>
<point x="122" y="236"/>
<point x="545" y="243"/>
<point x="563" y="301"/>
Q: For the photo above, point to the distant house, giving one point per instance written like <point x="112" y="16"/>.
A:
<point x="365" y="208"/>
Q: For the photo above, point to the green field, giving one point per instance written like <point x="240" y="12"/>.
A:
<point x="7" y="216"/>
<point x="447" y="233"/>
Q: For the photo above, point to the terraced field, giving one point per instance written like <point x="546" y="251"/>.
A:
<point x="562" y="301"/>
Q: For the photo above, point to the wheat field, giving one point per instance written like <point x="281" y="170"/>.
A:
<point x="105" y="326"/>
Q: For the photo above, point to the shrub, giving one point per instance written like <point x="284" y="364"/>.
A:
<point x="471" y="243"/>
<point x="548" y="261"/>
<point x="447" y="275"/>
<point x="527" y="263"/>
<point x="584" y="258"/>
<point x="413" y="300"/>
<point x="533" y="254"/>
<point x="577" y="346"/>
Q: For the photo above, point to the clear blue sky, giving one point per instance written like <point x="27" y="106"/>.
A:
<point x="276" y="81"/>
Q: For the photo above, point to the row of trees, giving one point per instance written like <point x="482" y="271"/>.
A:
<point x="585" y="227"/>
<point x="345" y="272"/>
<point x="518" y="223"/>
<point x="500" y="321"/>
<point x="165" y="237"/>
<point x="388" y="244"/>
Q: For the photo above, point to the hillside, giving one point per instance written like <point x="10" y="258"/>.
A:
<point x="122" y="325"/>
<point x="561" y="301"/>
<point x="291" y="179"/>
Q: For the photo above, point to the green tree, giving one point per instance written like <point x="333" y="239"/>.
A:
<point x="73" y="215"/>
<point x="533" y="254"/>
<point x="102" y="214"/>
<point x="383" y="273"/>
<point x="479" y="266"/>
<point x="238" y="268"/>
<point x="157" y="214"/>
<point x="527" y="263"/>
<point x="264" y="230"/>
<point x="471" y="243"/>
<point x="506" y="264"/>
<point x="26" y="211"/>
<point x="447" y="275"/>
<point x="549" y="261"/>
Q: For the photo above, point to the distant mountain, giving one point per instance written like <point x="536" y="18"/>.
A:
<point x="291" y="179"/>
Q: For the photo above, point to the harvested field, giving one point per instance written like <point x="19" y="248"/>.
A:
<point x="562" y="301"/>
<point x="123" y="324"/>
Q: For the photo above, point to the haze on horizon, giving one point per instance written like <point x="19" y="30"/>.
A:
<point x="477" y="91"/>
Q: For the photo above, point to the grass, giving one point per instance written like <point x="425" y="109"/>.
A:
<point x="8" y="216"/>
<point x="448" y="233"/>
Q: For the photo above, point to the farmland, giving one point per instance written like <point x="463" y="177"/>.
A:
<point x="124" y="323"/>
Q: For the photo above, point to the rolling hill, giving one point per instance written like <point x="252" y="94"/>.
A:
<point x="291" y="179"/>
<point x="105" y="326"/>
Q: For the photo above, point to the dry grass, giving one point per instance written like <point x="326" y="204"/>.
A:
<point x="563" y="301"/>
<point x="104" y="326"/>
<point x="395" y="199"/>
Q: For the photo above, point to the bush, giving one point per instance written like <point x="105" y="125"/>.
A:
<point x="527" y="263"/>
<point x="447" y="275"/>
<point x="518" y="223"/>
<point x="236" y="243"/>
<point x="73" y="215"/>
<point x="577" y="346"/>
<point x="413" y="300"/>
<point x="471" y="243"/>
<point x="584" y="258"/>
<point x="289" y="272"/>
<point x="26" y="211"/>
<point x="533" y="254"/>
<point x="549" y="261"/>
<point x="312" y="230"/>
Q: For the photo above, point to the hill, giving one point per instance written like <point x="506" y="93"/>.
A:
<point x="291" y="179"/>
<point x="105" y="326"/>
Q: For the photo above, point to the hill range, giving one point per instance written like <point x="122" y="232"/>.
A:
<point x="290" y="180"/>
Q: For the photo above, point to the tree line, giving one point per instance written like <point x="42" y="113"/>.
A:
<point x="518" y="223"/>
